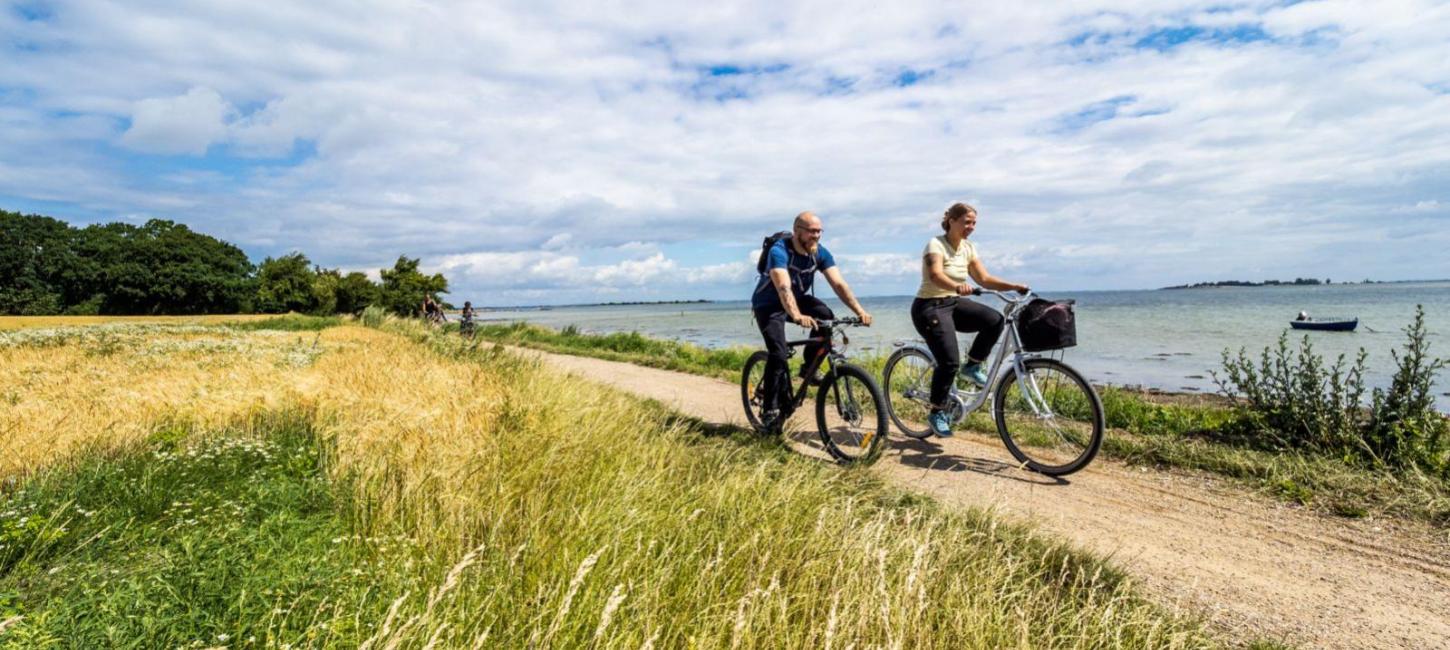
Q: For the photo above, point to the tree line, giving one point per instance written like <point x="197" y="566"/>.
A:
<point x="49" y="267"/>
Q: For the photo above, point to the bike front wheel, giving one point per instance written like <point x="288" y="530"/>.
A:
<point x="907" y="379"/>
<point x="851" y="416"/>
<point x="1049" y="417"/>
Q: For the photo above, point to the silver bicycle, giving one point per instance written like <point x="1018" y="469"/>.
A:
<point x="1048" y="415"/>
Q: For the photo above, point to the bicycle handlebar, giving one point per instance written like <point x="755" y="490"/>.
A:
<point x="1005" y="297"/>
<point x="847" y="322"/>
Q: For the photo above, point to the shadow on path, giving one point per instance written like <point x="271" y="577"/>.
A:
<point x="927" y="454"/>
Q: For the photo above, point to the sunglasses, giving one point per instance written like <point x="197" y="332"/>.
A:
<point x="813" y="231"/>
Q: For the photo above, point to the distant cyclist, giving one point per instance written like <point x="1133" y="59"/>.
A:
<point x="432" y="311"/>
<point x="938" y="312"/>
<point x="785" y="292"/>
<point x="465" y="320"/>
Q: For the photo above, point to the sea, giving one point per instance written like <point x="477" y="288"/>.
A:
<point x="1171" y="340"/>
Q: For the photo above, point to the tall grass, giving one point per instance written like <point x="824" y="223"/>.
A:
<point x="289" y="323"/>
<point x="536" y="510"/>
<point x="631" y="347"/>
<point x="1202" y="434"/>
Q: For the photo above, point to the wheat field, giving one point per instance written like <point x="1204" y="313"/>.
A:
<point x="32" y="322"/>
<point x="526" y="509"/>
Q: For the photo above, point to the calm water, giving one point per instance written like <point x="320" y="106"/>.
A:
<point x="1162" y="339"/>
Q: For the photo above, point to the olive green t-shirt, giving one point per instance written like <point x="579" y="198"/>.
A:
<point x="953" y="262"/>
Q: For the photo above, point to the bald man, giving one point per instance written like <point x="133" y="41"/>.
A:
<point x="784" y="292"/>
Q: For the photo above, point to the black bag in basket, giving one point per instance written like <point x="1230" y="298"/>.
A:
<point x="1047" y="325"/>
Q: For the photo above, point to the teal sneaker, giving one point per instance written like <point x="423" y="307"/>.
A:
<point x="940" y="424"/>
<point x="973" y="372"/>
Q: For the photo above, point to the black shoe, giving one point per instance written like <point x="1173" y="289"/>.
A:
<point x="770" y="420"/>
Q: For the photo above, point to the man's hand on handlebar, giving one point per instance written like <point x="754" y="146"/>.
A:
<point x="804" y="321"/>
<point x="865" y="318"/>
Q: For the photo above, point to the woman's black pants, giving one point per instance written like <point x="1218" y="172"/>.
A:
<point x="938" y="320"/>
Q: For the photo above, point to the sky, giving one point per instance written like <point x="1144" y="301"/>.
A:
<point x="549" y="153"/>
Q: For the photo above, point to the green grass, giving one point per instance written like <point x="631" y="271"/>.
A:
<point x="631" y="347"/>
<point x="1143" y="431"/>
<point x="631" y="527"/>
<point x="232" y="538"/>
<point x="288" y="323"/>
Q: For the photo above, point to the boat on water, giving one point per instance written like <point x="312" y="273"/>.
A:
<point x="1326" y="324"/>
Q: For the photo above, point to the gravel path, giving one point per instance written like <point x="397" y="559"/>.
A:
<point x="1254" y="567"/>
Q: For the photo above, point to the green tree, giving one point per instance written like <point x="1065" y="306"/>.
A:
<point x="285" y="284"/>
<point x="325" y="283"/>
<point x="355" y="292"/>
<point x="405" y="287"/>
<point x="34" y="254"/>
<point x="161" y="267"/>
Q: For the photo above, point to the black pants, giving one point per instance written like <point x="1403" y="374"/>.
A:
<point x="938" y="320"/>
<point x="777" y="364"/>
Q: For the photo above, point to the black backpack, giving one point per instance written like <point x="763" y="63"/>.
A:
<point x="765" y="249"/>
<point x="1047" y="325"/>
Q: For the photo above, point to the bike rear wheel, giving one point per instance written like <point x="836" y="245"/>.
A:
<point x="851" y="416"/>
<point x="1049" y="418"/>
<point x="752" y="389"/>
<point x="907" y="379"/>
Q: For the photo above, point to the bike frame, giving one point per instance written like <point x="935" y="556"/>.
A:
<point x="828" y="358"/>
<point x="997" y="369"/>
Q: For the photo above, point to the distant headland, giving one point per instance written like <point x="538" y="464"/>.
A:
<point x="642" y="302"/>
<point x="1296" y="282"/>
<point x="630" y="303"/>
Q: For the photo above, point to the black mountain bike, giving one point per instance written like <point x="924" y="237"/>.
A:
<point x="851" y="414"/>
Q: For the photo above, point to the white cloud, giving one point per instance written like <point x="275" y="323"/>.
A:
<point x="882" y="265"/>
<point x="186" y="124"/>
<point x="558" y="242"/>
<point x="634" y="272"/>
<point x="727" y="273"/>
<point x="466" y="134"/>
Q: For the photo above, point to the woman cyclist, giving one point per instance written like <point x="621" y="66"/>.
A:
<point x="939" y="312"/>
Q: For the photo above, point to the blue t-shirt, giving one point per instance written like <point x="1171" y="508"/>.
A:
<point x="802" y="270"/>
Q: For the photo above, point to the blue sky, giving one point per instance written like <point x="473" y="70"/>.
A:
<point x="544" y="152"/>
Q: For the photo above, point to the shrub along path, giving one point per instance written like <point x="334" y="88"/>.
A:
<point x="1252" y="566"/>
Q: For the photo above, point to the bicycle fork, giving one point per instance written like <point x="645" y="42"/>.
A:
<point x="847" y="408"/>
<point x="1030" y="391"/>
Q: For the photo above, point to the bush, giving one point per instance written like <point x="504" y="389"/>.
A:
<point x="1404" y="425"/>
<point x="1304" y="403"/>
<point x="373" y="316"/>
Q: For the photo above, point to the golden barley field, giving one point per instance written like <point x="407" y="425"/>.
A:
<point x="465" y="497"/>
<point x="31" y="322"/>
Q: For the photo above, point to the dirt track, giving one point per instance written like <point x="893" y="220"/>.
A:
<point x="1255" y="568"/>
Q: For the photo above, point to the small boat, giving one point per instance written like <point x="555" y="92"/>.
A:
<point x="1326" y="324"/>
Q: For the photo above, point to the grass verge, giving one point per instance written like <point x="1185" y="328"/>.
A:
<point x="1194" y="435"/>
<point x="630" y="347"/>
